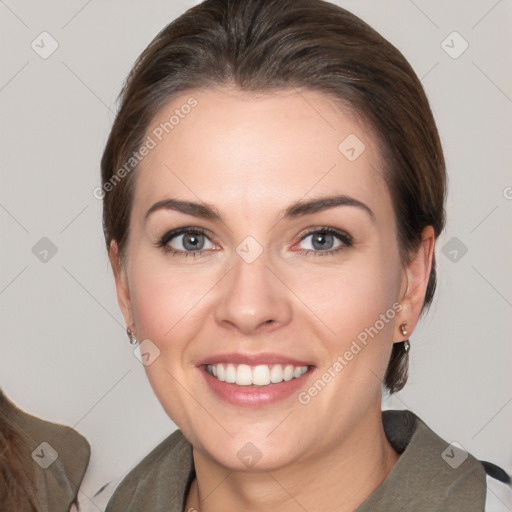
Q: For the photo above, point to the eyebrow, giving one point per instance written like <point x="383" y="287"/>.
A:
<point x="295" y="210"/>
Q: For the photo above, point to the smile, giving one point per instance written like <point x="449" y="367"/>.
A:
<point x="260" y="375"/>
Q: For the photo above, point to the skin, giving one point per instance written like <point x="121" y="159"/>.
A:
<point x="251" y="156"/>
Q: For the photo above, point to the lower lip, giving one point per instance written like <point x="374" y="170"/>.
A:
<point x="254" y="396"/>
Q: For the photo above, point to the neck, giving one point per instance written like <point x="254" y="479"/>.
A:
<point x="341" y="478"/>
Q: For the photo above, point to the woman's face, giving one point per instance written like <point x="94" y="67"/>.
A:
<point x="268" y="282"/>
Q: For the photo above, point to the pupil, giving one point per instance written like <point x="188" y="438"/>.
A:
<point x="192" y="242"/>
<point x="321" y="241"/>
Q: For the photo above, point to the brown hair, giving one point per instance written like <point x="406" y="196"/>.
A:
<point x="17" y="477"/>
<point x="267" y="45"/>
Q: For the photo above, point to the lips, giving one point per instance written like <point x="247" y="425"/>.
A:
<point x="268" y="358"/>
<point x="254" y="379"/>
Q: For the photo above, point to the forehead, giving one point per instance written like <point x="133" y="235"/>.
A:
<point x="257" y="150"/>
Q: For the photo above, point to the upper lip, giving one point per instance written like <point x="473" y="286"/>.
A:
<point x="252" y="359"/>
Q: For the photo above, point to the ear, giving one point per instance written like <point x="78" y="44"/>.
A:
<point x="122" y="288"/>
<point x="413" y="291"/>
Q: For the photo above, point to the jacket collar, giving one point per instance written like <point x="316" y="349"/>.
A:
<point x="430" y="475"/>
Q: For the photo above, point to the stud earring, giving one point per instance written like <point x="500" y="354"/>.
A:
<point x="405" y="332"/>
<point x="131" y="337"/>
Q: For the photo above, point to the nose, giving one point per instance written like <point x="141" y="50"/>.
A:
<point x="253" y="298"/>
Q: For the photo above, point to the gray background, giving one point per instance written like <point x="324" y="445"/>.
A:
<point x="64" y="353"/>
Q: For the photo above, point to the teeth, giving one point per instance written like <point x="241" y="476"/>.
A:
<point x="297" y="372"/>
<point x="288" y="372"/>
<point x="260" y="375"/>
<point x="243" y="375"/>
<point x="276" y="374"/>
<point x="230" y="373"/>
<point x="221" y="372"/>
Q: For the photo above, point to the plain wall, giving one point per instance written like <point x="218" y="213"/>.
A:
<point x="64" y="355"/>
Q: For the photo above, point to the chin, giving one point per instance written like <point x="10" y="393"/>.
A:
<point x="253" y="457"/>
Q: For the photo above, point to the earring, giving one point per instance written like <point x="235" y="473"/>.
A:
<point x="405" y="332"/>
<point x="131" y="337"/>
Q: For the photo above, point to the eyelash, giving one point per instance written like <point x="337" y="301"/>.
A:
<point x="344" y="238"/>
<point x="162" y="243"/>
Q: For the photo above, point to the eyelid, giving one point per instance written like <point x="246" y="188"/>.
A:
<point x="341" y="234"/>
<point x="173" y="233"/>
<point x="345" y="239"/>
<point x="163" y="241"/>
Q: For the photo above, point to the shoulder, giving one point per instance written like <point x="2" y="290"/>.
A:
<point x="159" y="480"/>
<point x="62" y="456"/>
<point x="63" y="439"/>
<point x="431" y="474"/>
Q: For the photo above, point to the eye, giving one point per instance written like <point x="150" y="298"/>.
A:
<point x="186" y="241"/>
<point x="325" y="241"/>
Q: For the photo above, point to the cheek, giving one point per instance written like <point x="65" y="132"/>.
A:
<point x="348" y="298"/>
<point x="354" y="306"/>
<point x="164" y="298"/>
<point x="167" y="306"/>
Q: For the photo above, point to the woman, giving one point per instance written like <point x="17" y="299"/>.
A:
<point x="273" y="190"/>
<point x="41" y="464"/>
